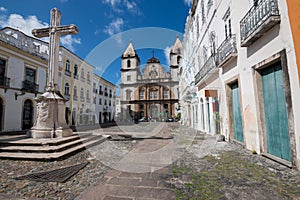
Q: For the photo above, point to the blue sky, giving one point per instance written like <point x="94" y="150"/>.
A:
<point x="105" y="27"/>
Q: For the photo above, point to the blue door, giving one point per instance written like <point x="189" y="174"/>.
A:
<point x="236" y="112"/>
<point x="276" y="120"/>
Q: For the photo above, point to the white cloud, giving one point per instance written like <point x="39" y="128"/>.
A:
<point x="23" y="24"/>
<point x="26" y="25"/>
<point x="188" y="2"/>
<point x="68" y="41"/>
<point x="2" y="9"/>
<point x="120" y="6"/>
<point x="167" y="51"/>
<point x="114" y="27"/>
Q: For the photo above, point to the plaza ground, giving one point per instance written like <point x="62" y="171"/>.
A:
<point x="157" y="161"/>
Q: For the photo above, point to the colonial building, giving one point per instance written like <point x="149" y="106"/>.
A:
<point x="23" y="75"/>
<point x="23" y="71"/>
<point x="151" y="92"/>
<point x="104" y="99"/>
<point x="76" y="76"/>
<point x="246" y="84"/>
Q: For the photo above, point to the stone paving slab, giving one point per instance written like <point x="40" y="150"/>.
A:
<point x="130" y="186"/>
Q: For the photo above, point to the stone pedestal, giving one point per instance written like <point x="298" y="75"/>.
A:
<point x="50" y="117"/>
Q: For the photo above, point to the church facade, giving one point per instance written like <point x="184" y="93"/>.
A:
<point x="151" y="92"/>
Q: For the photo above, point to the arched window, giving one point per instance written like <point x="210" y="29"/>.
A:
<point x="142" y="94"/>
<point x="128" y="94"/>
<point x="88" y="77"/>
<point x="213" y="42"/>
<point x="67" y="89"/>
<point x="178" y="59"/>
<point x="68" y="66"/>
<point x="88" y="94"/>
<point x="153" y="94"/>
<point x="82" y="75"/>
<point x="128" y="63"/>
<point x="166" y="93"/>
<point x="81" y="94"/>
<point x="75" y="71"/>
<point x="75" y="91"/>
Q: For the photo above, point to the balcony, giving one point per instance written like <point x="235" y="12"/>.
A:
<point x="30" y="86"/>
<point x="68" y="73"/>
<point x="205" y="69"/>
<point x="75" y="76"/>
<point x="75" y="98"/>
<point x="82" y="99"/>
<point x="227" y="50"/>
<point x="67" y="96"/>
<point x="259" y="19"/>
<point x="4" y="82"/>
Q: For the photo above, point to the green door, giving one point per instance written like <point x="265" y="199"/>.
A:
<point x="236" y="111"/>
<point x="278" y="140"/>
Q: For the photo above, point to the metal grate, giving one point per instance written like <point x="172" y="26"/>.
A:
<point x="57" y="175"/>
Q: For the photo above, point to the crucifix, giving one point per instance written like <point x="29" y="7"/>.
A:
<point x="54" y="32"/>
<point x="50" y="116"/>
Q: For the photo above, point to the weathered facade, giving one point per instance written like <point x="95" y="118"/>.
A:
<point x="152" y="92"/>
<point x="23" y="75"/>
<point x="246" y="82"/>
<point x="104" y="100"/>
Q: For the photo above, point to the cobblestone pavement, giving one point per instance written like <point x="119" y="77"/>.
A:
<point x="189" y="166"/>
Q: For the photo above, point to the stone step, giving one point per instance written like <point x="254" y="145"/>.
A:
<point x="52" y="156"/>
<point x="25" y="141"/>
<point x="48" y="148"/>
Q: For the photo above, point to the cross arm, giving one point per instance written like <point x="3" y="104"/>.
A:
<point x="62" y="30"/>
<point x="69" y="29"/>
<point x="39" y="33"/>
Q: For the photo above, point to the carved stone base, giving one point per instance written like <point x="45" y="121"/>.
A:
<point x="50" y="117"/>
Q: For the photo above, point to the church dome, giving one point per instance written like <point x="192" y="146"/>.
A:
<point x="153" y="60"/>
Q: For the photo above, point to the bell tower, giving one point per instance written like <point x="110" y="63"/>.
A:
<point x="175" y="57"/>
<point x="130" y="68"/>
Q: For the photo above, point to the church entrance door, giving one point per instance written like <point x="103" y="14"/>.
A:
<point x="154" y="111"/>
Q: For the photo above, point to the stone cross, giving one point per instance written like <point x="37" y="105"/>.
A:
<point x="54" y="32"/>
<point x="50" y="118"/>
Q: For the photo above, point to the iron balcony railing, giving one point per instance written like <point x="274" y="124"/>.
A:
<point x="205" y="69"/>
<point x="75" y="98"/>
<point x="227" y="49"/>
<point x="260" y="17"/>
<point x="4" y="81"/>
<point x="30" y="86"/>
<point x="68" y="73"/>
<point x="67" y="96"/>
<point x="82" y="99"/>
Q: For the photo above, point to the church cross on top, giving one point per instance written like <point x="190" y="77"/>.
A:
<point x="54" y="32"/>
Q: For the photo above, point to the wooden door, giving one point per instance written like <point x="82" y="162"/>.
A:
<point x="236" y="113"/>
<point x="276" y="120"/>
